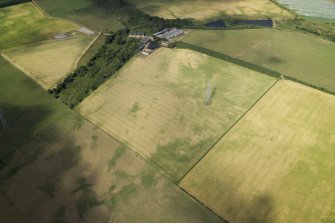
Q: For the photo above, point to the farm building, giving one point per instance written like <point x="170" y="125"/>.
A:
<point x="168" y="34"/>
<point x="136" y="35"/>
<point x="153" y="45"/>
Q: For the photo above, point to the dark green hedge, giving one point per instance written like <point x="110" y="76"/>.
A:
<point x="5" y="3"/>
<point x="117" y="50"/>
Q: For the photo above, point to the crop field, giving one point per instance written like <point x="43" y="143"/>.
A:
<point x="25" y="23"/>
<point x="84" y="12"/>
<point x="201" y="9"/>
<point x="325" y="8"/>
<point x="156" y="105"/>
<point x="304" y="57"/>
<point x="49" y="62"/>
<point x="53" y="160"/>
<point x="276" y="164"/>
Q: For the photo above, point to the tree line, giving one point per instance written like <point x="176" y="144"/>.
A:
<point x="5" y="3"/>
<point x="116" y="51"/>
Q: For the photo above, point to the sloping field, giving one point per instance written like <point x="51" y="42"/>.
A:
<point x="306" y="58"/>
<point x="25" y="23"/>
<point x="156" y="105"/>
<point x="84" y="12"/>
<point x="49" y="62"/>
<point x="73" y="171"/>
<point x="200" y="9"/>
<point x="275" y="165"/>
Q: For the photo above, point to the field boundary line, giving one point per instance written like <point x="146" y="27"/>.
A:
<point x="151" y="166"/>
<point x="83" y="52"/>
<point x="44" y="12"/>
<point x="67" y="20"/>
<point x="228" y="130"/>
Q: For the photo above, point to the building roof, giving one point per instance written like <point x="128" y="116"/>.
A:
<point x="145" y="40"/>
<point x="137" y="33"/>
<point x="171" y="34"/>
<point x="153" y="45"/>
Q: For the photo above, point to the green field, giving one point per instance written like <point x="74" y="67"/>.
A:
<point x="25" y="23"/>
<point x="277" y="163"/>
<point x="306" y="58"/>
<point x="84" y="12"/>
<point x="156" y="105"/>
<point x="200" y="9"/>
<point x="53" y="160"/>
<point x="49" y="62"/>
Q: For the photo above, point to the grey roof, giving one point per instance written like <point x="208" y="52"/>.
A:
<point x="171" y="34"/>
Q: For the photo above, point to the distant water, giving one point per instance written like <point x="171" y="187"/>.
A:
<point x="267" y="22"/>
<point x="314" y="8"/>
<point x="216" y="24"/>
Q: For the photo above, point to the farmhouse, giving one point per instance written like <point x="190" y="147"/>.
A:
<point x="169" y="33"/>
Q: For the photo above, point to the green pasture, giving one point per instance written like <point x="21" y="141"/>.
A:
<point x="297" y="55"/>
<point x="25" y="23"/>
<point x="84" y="12"/>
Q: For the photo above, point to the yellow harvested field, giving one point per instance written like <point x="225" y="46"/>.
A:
<point x="49" y="62"/>
<point x="156" y="105"/>
<point x="200" y="9"/>
<point x="276" y="164"/>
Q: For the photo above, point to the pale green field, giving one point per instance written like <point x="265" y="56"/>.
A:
<point x="84" y="12"/>
<point x="201" y="9"/>
<point x="49" y="62"/>
<point x="277" y="163"/>
<point x="25" y="23"/>
<point x="297" y="55"/>
<point x="156" y="105"/>
<point x="53" y="160"/>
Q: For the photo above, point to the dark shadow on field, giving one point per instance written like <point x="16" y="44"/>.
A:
<point x="21" y="125"/>
<point x="39" y="176"/>
<point x="261" y="209"/>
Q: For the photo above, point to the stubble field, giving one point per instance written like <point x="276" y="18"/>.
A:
<point x="84" y="12"/>
<point x="156" y="105"/>
<point x="53" y="160"/>
<point x="49" y="62"/>
<point x="276" y="164"/>
<point x="201" y="9"/>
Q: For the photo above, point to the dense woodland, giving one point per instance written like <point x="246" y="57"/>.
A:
<point x="116" y="51"/>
